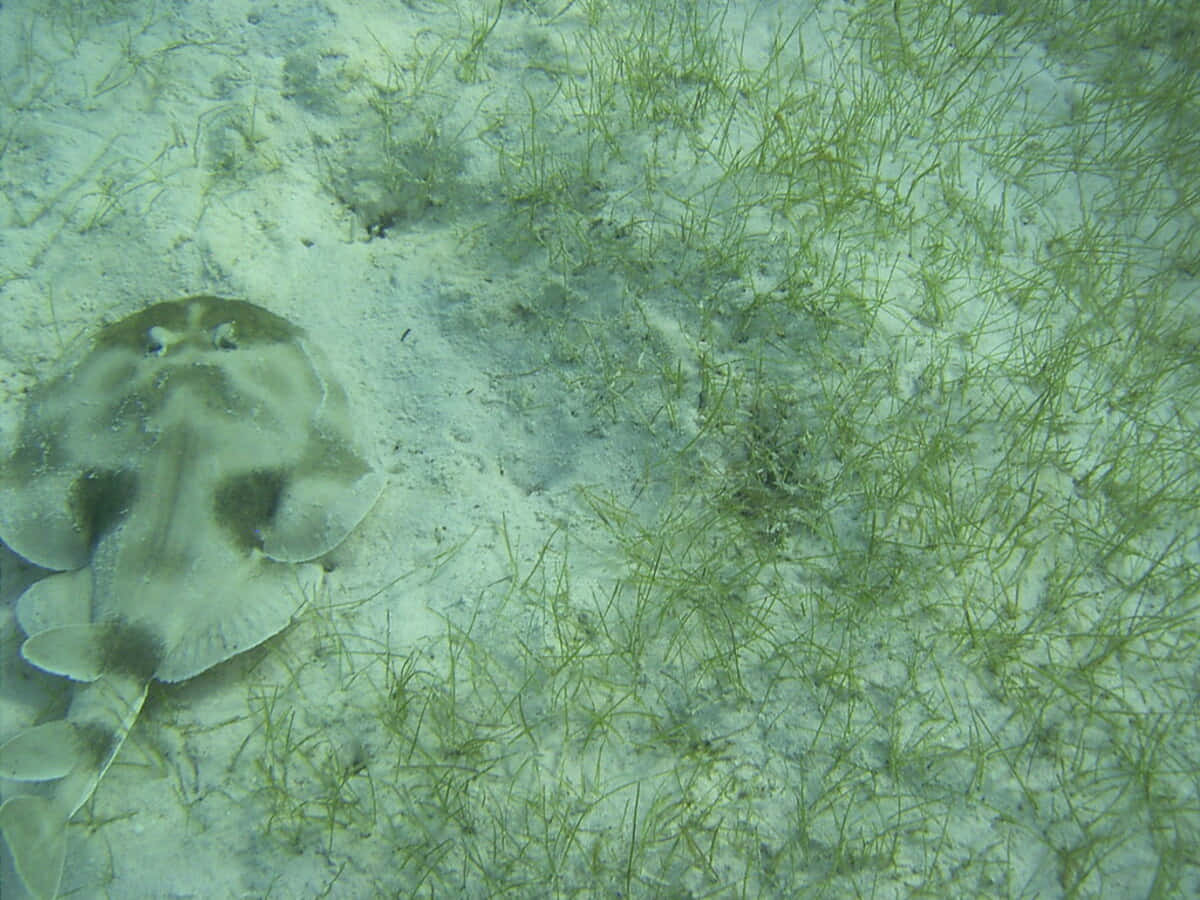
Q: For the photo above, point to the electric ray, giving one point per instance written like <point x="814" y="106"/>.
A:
<point x="174" y="480"/>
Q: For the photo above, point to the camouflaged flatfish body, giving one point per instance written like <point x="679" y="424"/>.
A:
<point x="175" y="479"/>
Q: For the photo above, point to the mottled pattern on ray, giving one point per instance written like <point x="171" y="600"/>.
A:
<point x="176" y="478"/>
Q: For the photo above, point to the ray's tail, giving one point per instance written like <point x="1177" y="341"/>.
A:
<point x="63" y="761"/>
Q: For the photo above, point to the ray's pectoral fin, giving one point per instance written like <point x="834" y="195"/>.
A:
<point x="67" y="758"/>
<point x="316" y="513"/>
<point x="36" y="519"/>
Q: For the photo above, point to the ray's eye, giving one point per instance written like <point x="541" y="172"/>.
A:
<point x="224" y="337"/>
<point x="157" y="340"/>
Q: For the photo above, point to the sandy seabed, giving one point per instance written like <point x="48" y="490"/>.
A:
<point x="790" y="416"/>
